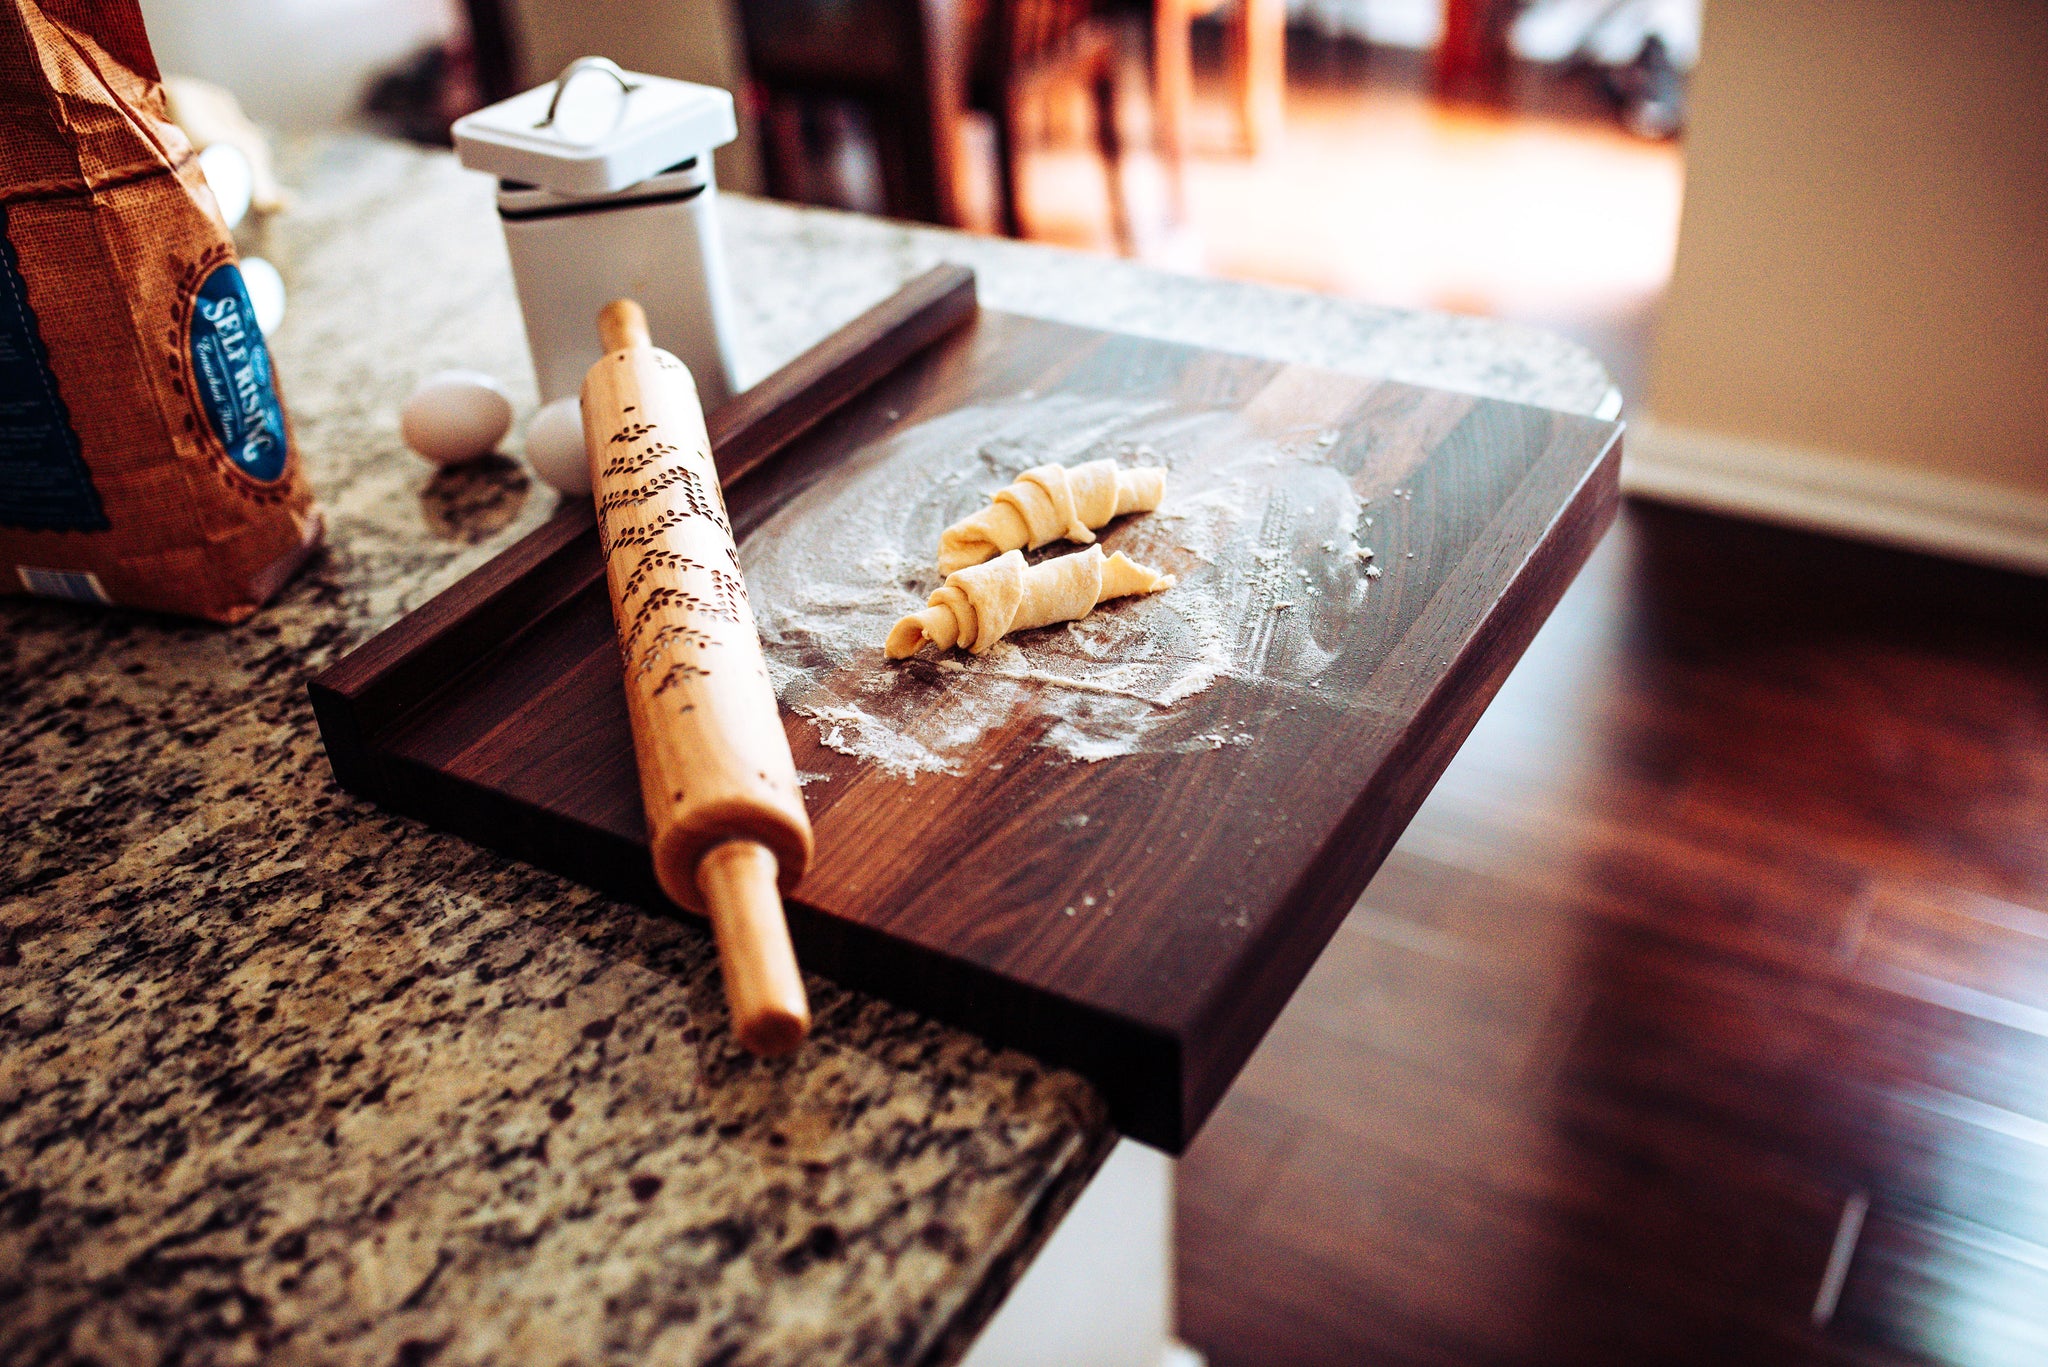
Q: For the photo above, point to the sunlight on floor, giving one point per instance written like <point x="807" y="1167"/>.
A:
<point x="1380" y="194"/>
<point x="1392" y="200"/>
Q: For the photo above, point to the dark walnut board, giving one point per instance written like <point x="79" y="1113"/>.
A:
<point x="496" y="711"/>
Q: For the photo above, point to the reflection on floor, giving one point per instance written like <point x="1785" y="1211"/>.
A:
<point x="1550" y="214"/>
<point x="1702" y="1014"/>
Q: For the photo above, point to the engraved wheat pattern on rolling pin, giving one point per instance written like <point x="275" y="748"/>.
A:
<point x="723" y="808"/>
<point x="631" y="462"/>
<point x="652" y="559"/>
<point x="641" y="479"/>
<point x="652" y="486"/>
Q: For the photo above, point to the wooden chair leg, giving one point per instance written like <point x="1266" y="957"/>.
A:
<point x="910" y="186"/>
<point x="1009" y="174"/>
<point x="1110" y="143"/>
<point x="1258" y="69"/>
<point x="897" y="194"/>
<point x="1172" y="93"/>
<point x="786" y="160"/>
<point x="1472" y="54"/>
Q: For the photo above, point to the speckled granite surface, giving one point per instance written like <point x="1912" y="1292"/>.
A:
<point x="286" y="1079"/>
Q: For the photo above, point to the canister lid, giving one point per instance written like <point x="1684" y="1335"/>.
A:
<point x="595" y="129"/>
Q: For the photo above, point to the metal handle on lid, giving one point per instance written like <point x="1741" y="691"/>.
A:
<point x="577" y="68"/>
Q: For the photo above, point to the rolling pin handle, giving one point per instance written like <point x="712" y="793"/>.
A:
<point x="622" y="324"/>
<point x="770" y="1013"/>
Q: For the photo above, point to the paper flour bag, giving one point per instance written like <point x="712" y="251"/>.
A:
<point x="145" y="455"/>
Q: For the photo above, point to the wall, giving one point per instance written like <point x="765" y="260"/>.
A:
<point x="1862" y="272"/>
<point x="294" y="64"/>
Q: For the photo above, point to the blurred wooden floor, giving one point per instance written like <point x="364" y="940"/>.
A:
<point x="1702" y="1014"/>
<point x="1544" y="212"/>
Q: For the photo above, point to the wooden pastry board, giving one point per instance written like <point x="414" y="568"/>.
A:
<point x="1141" y="918"/>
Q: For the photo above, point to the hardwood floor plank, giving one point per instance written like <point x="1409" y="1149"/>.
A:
<point x="1733" y="911"/>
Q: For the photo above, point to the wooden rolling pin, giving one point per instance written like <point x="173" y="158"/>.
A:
<point x="725" y="816"/>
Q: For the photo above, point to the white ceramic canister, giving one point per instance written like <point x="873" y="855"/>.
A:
<point x="605" y="191"/>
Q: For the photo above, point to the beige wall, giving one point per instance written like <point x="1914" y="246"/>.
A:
<point x="1863" y="262"/>
<point x="690" y="40"/>
<point x="296" y="65"/>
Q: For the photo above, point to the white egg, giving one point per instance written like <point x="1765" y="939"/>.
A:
<point x="454" y="416"/>
<point x="554" y="446"/>
<point x="266" y="292"/>
<point x="230" y="177"/>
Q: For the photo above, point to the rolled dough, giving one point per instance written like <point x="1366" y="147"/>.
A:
<point x="1047" y="503"/>
<point x="979" y="605"/>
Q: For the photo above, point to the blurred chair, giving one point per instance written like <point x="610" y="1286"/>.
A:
<point x="1255" y="32"/>
<point x="902" y="63"/>
<point x="914" y="68"/>
<point x="1027" y="49"/>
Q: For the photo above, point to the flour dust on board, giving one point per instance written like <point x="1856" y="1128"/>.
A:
<point x="1260" y="529"/>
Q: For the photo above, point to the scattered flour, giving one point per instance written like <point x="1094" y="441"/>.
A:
<point x="1243" y="528"/>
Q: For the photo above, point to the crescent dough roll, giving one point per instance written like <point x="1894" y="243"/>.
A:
<point x="1046" y="503"/>
<point x="978" y="606"/>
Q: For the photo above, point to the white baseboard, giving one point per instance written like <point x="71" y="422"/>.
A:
<point x="1944" y="514"/>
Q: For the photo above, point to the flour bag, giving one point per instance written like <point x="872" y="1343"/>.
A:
<point x="145" y="456"/>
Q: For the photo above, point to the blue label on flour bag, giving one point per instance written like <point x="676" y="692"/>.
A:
<point x="44" y="482"/>
<point x="232" y="369"/>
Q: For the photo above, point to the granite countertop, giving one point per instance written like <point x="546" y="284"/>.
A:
<point x="283" y="1077"/>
